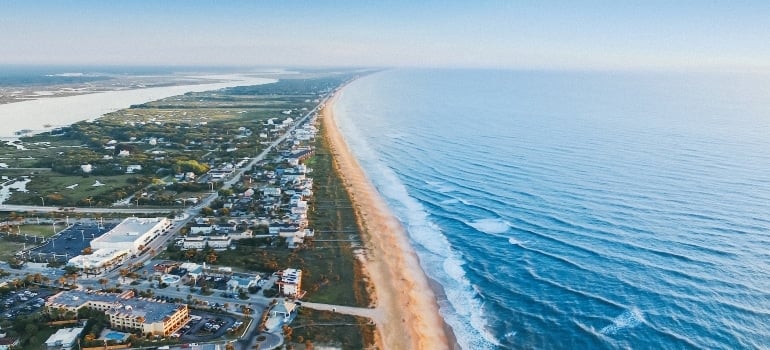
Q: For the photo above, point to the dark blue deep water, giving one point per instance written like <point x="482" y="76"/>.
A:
<point x="579" y="210"/>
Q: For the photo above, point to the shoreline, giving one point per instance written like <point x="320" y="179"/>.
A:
<point x="45" y="114"/>
<point x="404" y="295"/>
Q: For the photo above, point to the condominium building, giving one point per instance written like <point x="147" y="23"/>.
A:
<point x="125" y="312"/>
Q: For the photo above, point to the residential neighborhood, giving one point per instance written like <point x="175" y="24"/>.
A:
<point x="179" y="279"/>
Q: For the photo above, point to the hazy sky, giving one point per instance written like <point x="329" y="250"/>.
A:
<point x="542" y="34"/>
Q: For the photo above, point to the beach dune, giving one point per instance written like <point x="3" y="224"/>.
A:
<point x="407" y="305"/>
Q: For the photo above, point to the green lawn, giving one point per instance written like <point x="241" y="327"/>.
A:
<point x="37" y="230"/>
<point x="72" y="188"/>
<point x="338" y="330"/>
<point x="9" y="249"/>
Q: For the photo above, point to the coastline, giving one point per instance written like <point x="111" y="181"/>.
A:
<point x="405" y="297"/>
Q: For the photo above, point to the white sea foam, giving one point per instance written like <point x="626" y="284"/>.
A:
<point x="441" y="187"/>
<point x="464" y="313"/>
<point x="490" y="226"/>
<point x="628" y="319"/>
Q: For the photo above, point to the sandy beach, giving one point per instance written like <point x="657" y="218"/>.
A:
<point x="409" y="316"/>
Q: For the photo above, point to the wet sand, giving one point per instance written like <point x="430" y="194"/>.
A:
<point x="404" y="299"/>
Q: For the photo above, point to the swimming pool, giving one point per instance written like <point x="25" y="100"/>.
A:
<point x="115" y="336"/>
<point x="170" y="279"/>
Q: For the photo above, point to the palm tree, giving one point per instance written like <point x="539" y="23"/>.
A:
<point x="103" y="282"/>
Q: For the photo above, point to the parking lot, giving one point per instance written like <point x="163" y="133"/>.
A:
<point x="69" y="242"/>
<point x="21" y="302"/>
<point x="207" y="326"/>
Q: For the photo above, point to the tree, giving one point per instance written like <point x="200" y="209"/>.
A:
<point x="190" y="254"/>
<point x="103" y="282"/>
<point x="31" y="328"/>
<point x="123" y="273"/>
<point x="211" y="257"/>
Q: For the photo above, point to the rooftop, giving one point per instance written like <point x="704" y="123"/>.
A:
<point x="76" y="297"/>
<point x="97" y="257"/>
<point x="129" y="230"/>
<point x="64" y="336"/>
<point x="151" y="310"/>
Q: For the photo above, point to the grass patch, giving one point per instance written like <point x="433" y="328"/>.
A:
<point x="50" y="184"/>
<point x="8" y="249"/>
<point x="324" y="327"/>
<point x="37" y="230"/>
<point x="37" y="341"/>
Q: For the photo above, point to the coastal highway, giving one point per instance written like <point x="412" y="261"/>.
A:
<point x="237" y="175"/>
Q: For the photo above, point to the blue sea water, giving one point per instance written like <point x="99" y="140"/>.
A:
<point x="578" y="210"/>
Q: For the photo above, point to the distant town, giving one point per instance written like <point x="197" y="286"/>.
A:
<point x="210" y="220"/>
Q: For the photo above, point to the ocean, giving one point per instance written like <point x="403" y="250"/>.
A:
<point x="578" y="210"/>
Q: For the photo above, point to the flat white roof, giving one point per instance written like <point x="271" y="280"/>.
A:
<point x="129" y="230"/>
<point x="97" y="258"/>
<point x="65" y="336"/>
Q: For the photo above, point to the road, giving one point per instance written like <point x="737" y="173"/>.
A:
<point x="238" y="172"/>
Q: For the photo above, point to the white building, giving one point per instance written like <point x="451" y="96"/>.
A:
<point x="236" y="282"/>
<point x="99" y="260"/>
<point x="199" y="229"/>
<point x="133" y="168"/>
<point x="271" y="191"/>
<point x="291" y="283"/>
<point x="196" y="242"/>
<point x="64" y="338"/>
<point x="219" y="242"/>
<point x="133" y="234"/>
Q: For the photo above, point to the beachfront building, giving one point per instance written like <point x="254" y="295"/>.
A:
<point x="99" y="260"/>
<point x="125" y="312"/>
<point x="133" y="234"/>
<point x="291" y="283"/>
<point x="65" y="339"/>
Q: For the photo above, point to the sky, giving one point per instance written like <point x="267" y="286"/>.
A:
<point x="682" y="34"/>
